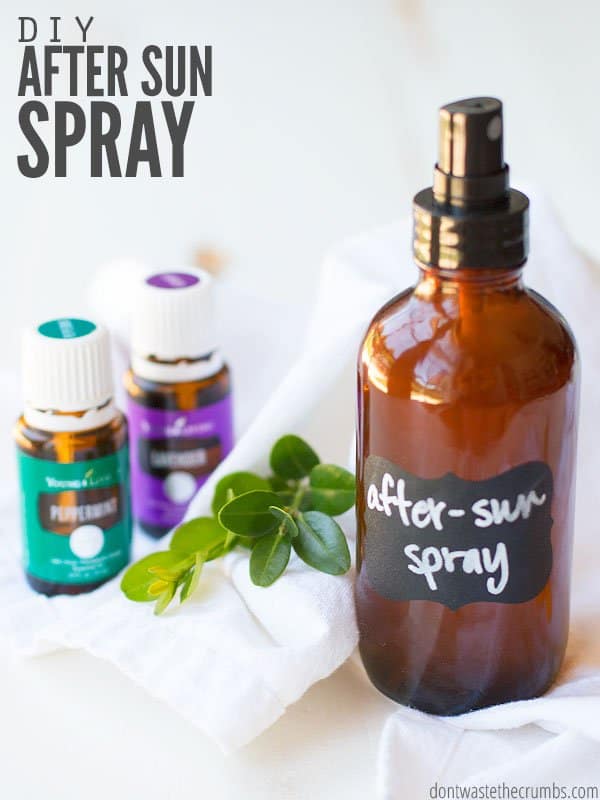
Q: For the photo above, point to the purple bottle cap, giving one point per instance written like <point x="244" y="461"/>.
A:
<point x="172" y="280"/>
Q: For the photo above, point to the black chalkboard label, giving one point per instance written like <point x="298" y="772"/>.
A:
<point x="455" y="541"/>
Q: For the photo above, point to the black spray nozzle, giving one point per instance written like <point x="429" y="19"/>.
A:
<point x="471" y="169"/>
<point x="470" y="218"/>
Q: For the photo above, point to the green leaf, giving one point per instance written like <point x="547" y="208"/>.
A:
<point x="291" y="458"/>
<point x="158" y="587"/>
<point x="201" y="535"/>
<point x="278" y="484"/>
<point x="137" y="579"/>
<point x="286" y="498"/>
<point x="286" y="522"/>
<point x="190" y="584"/>
<point x="249" y="514"/>
<point x="164" y="573"/>
<point x="283" y="489"/>
<point x="332" y="489"/>
<point x="245" y="541"/>
<point x="164" y="600"/>
<point x="238" y="483"/>
<point x="306" y="501"/>
<point x="230" y="541"/>
<point x="321" y="543"/>
<point x="269" y="558"/>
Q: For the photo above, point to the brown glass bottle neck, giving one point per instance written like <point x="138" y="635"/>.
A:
<point x="433" y="280"/>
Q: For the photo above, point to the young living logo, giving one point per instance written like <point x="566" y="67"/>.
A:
<point x="490" y="542"/>
<point x="180" y="426"/>
<point x="90" y="480"/>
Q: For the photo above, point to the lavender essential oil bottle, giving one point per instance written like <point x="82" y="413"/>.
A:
<point x="179" y="397"/>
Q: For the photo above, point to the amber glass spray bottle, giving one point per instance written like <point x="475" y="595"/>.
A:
<point x="467" y="416"/>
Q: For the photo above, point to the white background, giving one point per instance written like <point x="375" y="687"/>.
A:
<point x="323" y="123"/>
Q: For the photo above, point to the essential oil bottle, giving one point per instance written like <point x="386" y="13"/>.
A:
<point x="467" y="418"/>
<point x="179" y="397"/>
<point x="73" y="460"/>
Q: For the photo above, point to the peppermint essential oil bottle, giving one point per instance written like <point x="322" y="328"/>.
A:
<point x="73" y="460"/>
<point x="467" y="418"/>
<point x="179" y="397"/>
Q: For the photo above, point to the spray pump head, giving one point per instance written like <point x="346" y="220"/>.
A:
<point x="471" y="166"/>
<point x="470" y="217"/>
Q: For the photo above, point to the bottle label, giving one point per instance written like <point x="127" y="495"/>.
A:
<point x="76" y="517"/>
<point x="455" y="541"/>
<point x="172" y="454"/>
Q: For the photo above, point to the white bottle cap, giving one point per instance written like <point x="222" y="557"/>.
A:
<point x="66" y="369"/>
<point x="173" y="321"/>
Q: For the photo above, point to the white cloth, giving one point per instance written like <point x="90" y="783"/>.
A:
<point x="235" y="657"/>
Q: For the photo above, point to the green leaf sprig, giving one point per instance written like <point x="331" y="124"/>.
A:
<point x="291" y="509"/>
